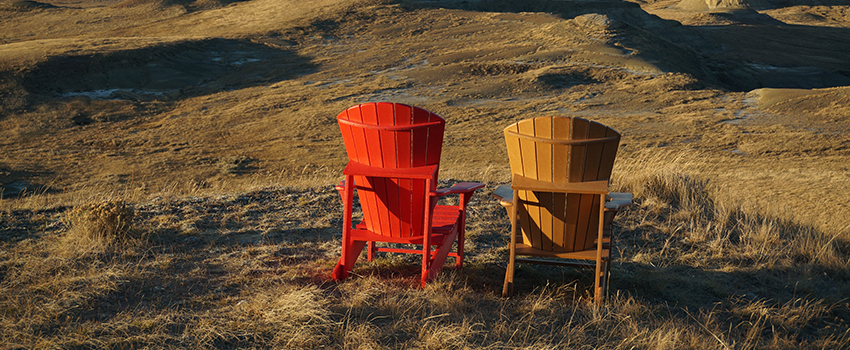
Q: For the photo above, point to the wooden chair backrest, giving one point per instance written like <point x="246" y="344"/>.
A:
<point x="560" y="149"/>
<point x="393" y="136"/>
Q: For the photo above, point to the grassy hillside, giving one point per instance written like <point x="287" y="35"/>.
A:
<point x="204" y="132"/>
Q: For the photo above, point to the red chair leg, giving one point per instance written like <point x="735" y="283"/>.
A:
<point x="347" y="260"/>
<point x="439" y="258"/>
<point x="461" y="237"/>
<point x="370" y="253"/>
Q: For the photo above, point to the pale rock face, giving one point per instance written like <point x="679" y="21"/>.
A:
<point x="713" y="4"/>
<point x="720" y="5"/>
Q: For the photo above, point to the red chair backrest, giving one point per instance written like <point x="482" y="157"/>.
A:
<point x="392" y="135"/>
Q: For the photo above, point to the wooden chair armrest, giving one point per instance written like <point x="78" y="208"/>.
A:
<point x="423" y="172"/>
<point x="615" y="200"/>
<point x="618" y="200"/>
<point x="504" y="194"/>
<point x="590" y="187"/>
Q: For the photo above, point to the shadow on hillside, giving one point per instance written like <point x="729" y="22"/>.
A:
<point x="165" y="72"/>
<point x="755" y="51"/>
<point x="189" y="5"/>
<point x="791" y="3"/>
<point x="777" y="56"/>
<point x="15" y="184"/>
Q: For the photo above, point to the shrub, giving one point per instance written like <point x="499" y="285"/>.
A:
<point x="104" y="222"/>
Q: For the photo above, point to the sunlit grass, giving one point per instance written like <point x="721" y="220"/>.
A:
<point x="694" y="268"/>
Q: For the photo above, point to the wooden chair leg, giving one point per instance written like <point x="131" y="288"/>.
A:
<point x="508" y="288"/>
<point x="601" y="261"/>
<point x="597" y="282"/>
<point x="606" y="278"/>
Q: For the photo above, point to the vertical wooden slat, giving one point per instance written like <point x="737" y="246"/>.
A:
<point x="561" y="128"/>
<point x="609" y="153"/>
<point x="578" y="157"/>
<point x="593" y="224"/>
<point x="594" y="152"/>
<point x="359" y="136"/>
<point x="514" y="148"/>
<point x="571" y="219"/>
<point x="420" y="138"/>
<point x="404" y="116"/>
<point x="530" y="218"/>
<point x="348" y="137"/>
<point x="577" y="152"/>
<point x="591" y="173"/>
<point x="365" y="192"/>
<point x="417" y="206"/>
<point x="529" y="157"/>
<point x="361" y="155"/>
<point x="419" y="157"/>
<point x="389" y="192"/>
<point x="543" y="129"/>
<point x="386" y="116"/>
<point x="378" y="206"/>
<point x="382" y="205"/>
<point x="435" y="141"/>
<point x="435" y="149"/>
<point x="369" y="111"/>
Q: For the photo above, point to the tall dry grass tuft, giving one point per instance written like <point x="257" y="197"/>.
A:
<point x="100" y="224"/>
<point x="703" y="218"/>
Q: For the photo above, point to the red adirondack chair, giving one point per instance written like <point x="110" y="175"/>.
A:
<point x="394" y="156"/>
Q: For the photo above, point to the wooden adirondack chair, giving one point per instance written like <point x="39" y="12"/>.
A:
<point x="394" y="155"/>
<point x="560" y="168"/>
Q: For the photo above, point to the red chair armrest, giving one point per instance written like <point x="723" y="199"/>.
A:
<point x="461" y="187"/>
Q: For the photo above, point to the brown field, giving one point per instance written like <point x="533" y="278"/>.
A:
<point x="166" y="171"/>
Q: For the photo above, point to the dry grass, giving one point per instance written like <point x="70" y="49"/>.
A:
<point x="694" y="270"/>
<point x="100" y="224"/>
<point x="235" y="225"/>
<point x="718" y="225"/>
